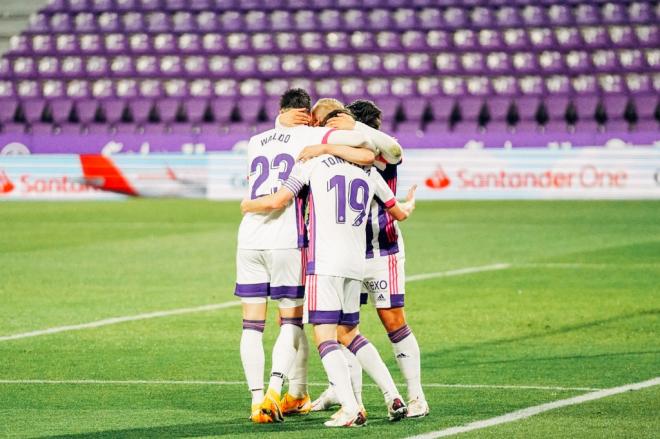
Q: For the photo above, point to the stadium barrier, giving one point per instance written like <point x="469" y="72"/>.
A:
<point x="584" y="173"/>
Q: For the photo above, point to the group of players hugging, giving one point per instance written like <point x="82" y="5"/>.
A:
<point x="319" y="236"/>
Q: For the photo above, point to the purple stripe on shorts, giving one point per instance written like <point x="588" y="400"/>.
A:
<point x="327" y="346"/>
<point x="399" y="334"/>
<point x="292" y="321"/>
<point x="297" y="292"/>
<point x="255" y="325"/>
<point x="350" y="319"/>
<point x="252" y="290"/>
<point x="324" y="317"/>
<point x="311" y="266"/>
<point x="396" y="300"/>
<point x="358" y="343"/>
<point x="364" y="298"/>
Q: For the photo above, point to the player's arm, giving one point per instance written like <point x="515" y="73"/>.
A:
<point x="402" y="211"/>
<point x="298" y="178"/>
<point x="387" y="145"/>
<point x="268" y="203"/>
<point x="399" y="211"/>
<point x="359" y="156"/>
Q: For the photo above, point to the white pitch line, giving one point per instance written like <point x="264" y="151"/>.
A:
<point x="115" y="320"/>
<point x="458" y="272"/>
<point x="537" y="409"/>
<point x="214" y="306"/>
<point x="233" y="383"/>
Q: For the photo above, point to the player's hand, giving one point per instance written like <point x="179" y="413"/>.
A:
<point x="341" y="121"/>
<point x="297" y="116"/>
<point x="409" y="204"/>
<point x="311" y="151"/>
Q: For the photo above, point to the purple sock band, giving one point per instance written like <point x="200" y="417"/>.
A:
<point x="327" y="346"/>
<point x="399" y="334"/>
<point x="297" y="321"/>
<point x="255" y="325"/>
<point x="358" y="343"/>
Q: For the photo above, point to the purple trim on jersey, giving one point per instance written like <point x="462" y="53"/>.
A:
<point x="297" y="321"/>
<point x="370" y="237"/>
<point x="388" y="242"/>
<point x="358" y="343"/>
<point x="301" y="229"/>
<point x="350" y="319"/>
<point x="311" y="246"/>
<point x="255" y="325"/>
<point x="326" y="347"/>
<point x="252" y="290"/>
<point x="293" y="184"/>
<point x="399" y="334"/>
<point x="297" y="292"/>
<point x="324" y="317"/>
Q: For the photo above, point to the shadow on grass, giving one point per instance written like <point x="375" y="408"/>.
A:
<point x="550" y="332"/>
<point x="306" y="424"/>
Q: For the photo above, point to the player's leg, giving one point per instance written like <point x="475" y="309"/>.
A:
<point x="406" y="349"/>
<point x="252" y="287"/>
<point x="323" y="308"/>
<point x="366" y="353"/>
<point x="286" y="270"/>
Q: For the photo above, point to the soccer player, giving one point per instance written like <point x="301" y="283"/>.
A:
<point x="384" y="280"/>
<point x="340" y="194"/>
<point x="269" y="262"/>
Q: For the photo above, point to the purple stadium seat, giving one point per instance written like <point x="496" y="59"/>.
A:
<point x="586" y="13"/>
<point x="387" y="40"/>
<point x="556" y="106"/>
<point x="83" y="22"/>
<point x="395" y="63"/>
<point x="586" y="107"/>
<point x="281" y="20"/>
<point x="442" y="107"/>
<point x="140" y="43"/>
<point x="33" y="109"/>
<point x="60" y="23"/>
<point x="86" y="110"/>
<point x="516" y="38"/>
<point x="621" y="36"/>
<point x="414" y="109"/>
<point x="305" y="20"/>
<point x="413" y="40"/>
<point x="213" y="43"/>
<point x="167" y="109"/>
<point x="222" y="109"/>
<point x="38" y="23"/>
<point x="238" y="42"/>
<point x="60" y="110"/>
<point x="41" y="44"/>
<point x="527" y="107"/>
<point x="362" y="41"/>
<point x="109" y="22"/>
<point x="640" y="12"/>
<point x="594" y="37"/>
<point x="560" y="15"/>
<point x="430" y="18"/>
<point x="647" y="125"/>
<point x="646" y="105"/>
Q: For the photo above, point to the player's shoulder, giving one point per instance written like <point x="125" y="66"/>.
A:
<point x="257" y="138"/>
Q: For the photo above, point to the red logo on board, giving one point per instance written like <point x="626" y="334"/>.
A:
<point x="439" y="180"/>
<point x="6" y="185"/>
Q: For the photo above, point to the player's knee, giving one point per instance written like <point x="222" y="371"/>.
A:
<point x="346" y="334"/>
<point x="254" y="308"/>
<point x="392" y="318"/>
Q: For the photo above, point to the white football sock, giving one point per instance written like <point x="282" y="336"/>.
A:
<point x="355" y="370"/>
<point x="372" y="363"/>
<point x="406" y="351"/>
<point x="298" y="373"/>
<point x="336" y="368"/>
<point x="252" y="356"/>
<point x="284" y="352"/>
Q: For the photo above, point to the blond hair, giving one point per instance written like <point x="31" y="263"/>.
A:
<point x="324" y="106"/>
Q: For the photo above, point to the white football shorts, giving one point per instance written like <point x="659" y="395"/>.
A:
<point x="332" y="300"/>
<point x="384" y="281"/>
<point x="278" y="274"/>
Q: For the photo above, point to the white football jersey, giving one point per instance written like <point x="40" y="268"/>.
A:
<point x="271" y="158"/>
<point x="340" y="196"/>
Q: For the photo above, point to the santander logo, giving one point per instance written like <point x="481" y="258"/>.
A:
<point x="439" y="180"/>
<point x="6" y="185"/>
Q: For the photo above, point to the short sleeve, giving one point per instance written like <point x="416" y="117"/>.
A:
<point x="381" y="190"/>
<point x="299" y="176"/>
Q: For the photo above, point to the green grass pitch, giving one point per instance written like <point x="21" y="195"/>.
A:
<point x="578" y="307"/>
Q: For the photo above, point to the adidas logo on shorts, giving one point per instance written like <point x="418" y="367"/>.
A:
<point x="380" y="298"/>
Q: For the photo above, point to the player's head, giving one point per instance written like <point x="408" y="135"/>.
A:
<point x="295" y="98"/>
<point x="366" y="112"/>
<point x="323" y="107"/>
<point x="334" y="113"/>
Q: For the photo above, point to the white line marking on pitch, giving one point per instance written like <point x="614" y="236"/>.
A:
<point x="458" y="272"/>
<point x="115" y="320"/>
<point x="537" y="409"/>
<point x="214" y="306"/>
<point x="232" y="383"/>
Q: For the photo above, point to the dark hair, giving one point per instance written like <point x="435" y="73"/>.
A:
<point x="366" y="112"/>
<point x="334" y="113"/>
<point x="295" y="98"/>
